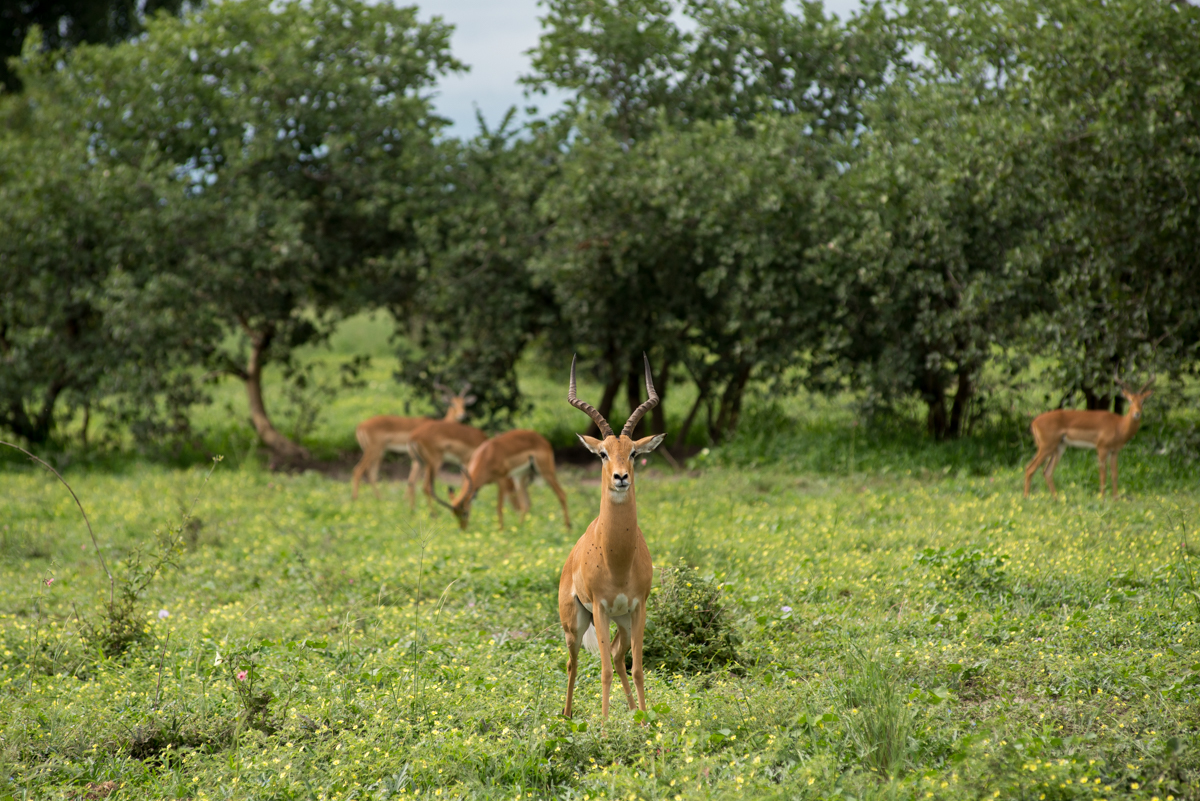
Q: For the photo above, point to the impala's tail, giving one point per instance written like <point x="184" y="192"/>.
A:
<point x="589" y="640"/>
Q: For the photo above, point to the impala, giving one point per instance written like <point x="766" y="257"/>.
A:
<point x="607" y="576"/>
<point x="1104" y="432"/>
<point x="443" y="441"/>
<point x="512" y="460"/>
<point x="386" y="432"/>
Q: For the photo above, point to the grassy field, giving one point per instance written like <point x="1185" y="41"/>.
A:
<point x="906" y="625"/>
<point x="900" y="636"/>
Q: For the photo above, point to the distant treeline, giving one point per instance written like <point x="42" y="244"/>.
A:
<point x="764" y="193"/>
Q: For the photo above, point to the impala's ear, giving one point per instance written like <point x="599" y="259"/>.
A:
<point x="469" y="400"/>
<point x="591" y="443"/>
<point x="647" y="444"/>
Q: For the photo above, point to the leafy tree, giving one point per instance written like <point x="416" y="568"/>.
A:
<point x="1118" y="87"/>
<point x="473" y="308"/>
<point x="740" y="59"/>
<point x="624" y="267"/>
<point x="301" y="146"/>
<point x="80" y="245"/>
<point x="65" y="23"/>
<point x="931" y="242"/>
<point x="688" y="245"/>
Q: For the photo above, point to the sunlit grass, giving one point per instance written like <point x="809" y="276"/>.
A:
<point x="402" y="655"/>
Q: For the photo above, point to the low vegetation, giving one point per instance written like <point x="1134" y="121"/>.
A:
<point x="905" y="633"/>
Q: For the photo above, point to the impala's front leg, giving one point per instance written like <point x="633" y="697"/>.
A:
<point x="639" y="628"/>
<point x="1102" y="458"/>
<point x="1112" y="460"/>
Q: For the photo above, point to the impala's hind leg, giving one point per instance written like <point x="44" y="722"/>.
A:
<point x="368" y="465"/>
<point x="1102" y="458"/>
<point x="545" y="468"/>
<point x="414" y="475"/>
<point x="1042" y="455"/>
<point x="1049" y="471"/>
<point x="620" y="647"/>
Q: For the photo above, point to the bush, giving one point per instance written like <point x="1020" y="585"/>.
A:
<point x="688" y="629"/>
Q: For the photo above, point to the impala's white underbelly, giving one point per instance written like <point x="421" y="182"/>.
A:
<point x="1079" y="443"/>
<point x="521" y="469"/>
<point x="398" y="447"/>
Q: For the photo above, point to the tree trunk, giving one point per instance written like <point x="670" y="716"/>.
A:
<point x="731" y="405"/>
<point x="962" y="399"/>
<point x="34" y="430"/>
<point x="608" y="399"/>
<point x="1096" y="402"/>
<point x="934" y="396"/>
<point x="282" y="449"/>
<point x="681" y="437"/>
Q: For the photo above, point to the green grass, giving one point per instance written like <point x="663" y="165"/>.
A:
<point x="908" y="625"/>
<point x="887" y="650"/>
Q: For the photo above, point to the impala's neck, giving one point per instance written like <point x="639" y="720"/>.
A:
<point x="617" y="529"/>
<point x="1130" y="423"/>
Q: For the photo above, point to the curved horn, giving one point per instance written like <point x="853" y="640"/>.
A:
<point x="465" y="388"/>
<point x="440" y="387"/>
<point x="443" y="503"/>
<point x="1146" y="386"/>
<point x="605" y="429"/>
<point x="639" y="412"/>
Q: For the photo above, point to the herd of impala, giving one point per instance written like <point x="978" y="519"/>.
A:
<point x="607" y="576"/>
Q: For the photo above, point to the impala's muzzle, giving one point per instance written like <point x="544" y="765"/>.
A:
<point x="621" y="481"/>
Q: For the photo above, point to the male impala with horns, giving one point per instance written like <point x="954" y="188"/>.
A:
<point x="607" y="576"/>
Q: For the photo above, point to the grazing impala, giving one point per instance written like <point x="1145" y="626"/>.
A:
<point x="607" y="576"/>
<point x="443" y="441"/>
<point x="386" y="432"/>
<point x="513" y="457"/>
<point x="1105" y="432"/>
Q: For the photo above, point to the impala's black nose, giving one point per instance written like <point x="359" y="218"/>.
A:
<point x="621" y="480"/>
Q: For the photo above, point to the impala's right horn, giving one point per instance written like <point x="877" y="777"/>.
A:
<point x="605" y="429"/>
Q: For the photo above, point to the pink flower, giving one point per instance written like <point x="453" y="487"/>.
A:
<point x="241" y="675"/>
<point x="643" y="462"/>
<point x="163" y="614"/>
<point x="49" y="581"/>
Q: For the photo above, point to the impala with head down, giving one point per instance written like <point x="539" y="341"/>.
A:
<point x="511" y="460"/>
<point x="1104" y="432"/>
<point x="607" y="576"/>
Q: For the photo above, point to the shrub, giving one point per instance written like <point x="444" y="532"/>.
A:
<point x="689" y="630"/>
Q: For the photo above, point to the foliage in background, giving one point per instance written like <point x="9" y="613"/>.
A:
<point x="84" y="251"/>
<point x="300" y="142"/>
<point x="65" y="23"/>
<point x="472" y="308"/>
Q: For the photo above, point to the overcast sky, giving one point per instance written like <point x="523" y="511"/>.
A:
<point x="492" y="36"/>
